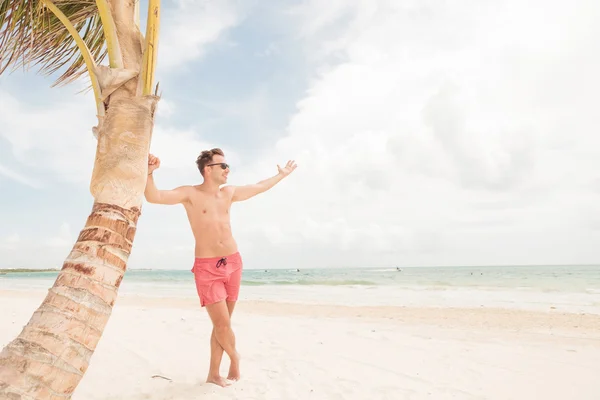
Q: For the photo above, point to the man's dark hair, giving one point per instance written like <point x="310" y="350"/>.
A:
<point x="206" y="157"/>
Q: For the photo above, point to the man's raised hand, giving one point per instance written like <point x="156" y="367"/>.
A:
<point x="289" y="167"/>
<point x="153" y="163"/>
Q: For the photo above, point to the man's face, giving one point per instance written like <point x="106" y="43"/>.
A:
<point x="215" y="169"/>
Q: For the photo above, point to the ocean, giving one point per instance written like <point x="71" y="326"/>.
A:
<point x="568" y="287"/>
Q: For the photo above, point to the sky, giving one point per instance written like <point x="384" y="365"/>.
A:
<point x="426" y="133"/>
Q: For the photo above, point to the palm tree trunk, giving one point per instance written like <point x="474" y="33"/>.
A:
<point x="53" y="351"/>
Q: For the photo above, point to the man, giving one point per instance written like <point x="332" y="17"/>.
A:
<point x="218" y="264"/>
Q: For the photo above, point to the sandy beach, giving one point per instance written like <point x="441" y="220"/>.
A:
<point x="299" y="351"/>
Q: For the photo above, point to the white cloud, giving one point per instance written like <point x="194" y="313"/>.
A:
<point x="437" y="133"/>
<point x="430" y="133"/>
<point x="63" y="239"/>
<point x="49" y="251"/>
<point x="191" y="27"/>
<point x="250" y="110"/>
<point x="166" y="108"/>
<point x="55" y="140"/>
<point x="10" y="242"/>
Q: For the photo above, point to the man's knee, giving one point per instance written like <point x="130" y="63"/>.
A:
<point x="222" y="326"/>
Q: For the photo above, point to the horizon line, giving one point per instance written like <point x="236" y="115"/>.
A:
<point x="23" y="269"/>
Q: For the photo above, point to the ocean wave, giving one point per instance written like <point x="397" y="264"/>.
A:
<point x="383" y="270"/>
<point x="349" y="282"/>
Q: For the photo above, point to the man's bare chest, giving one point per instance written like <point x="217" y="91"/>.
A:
<point x="206" y="206"/>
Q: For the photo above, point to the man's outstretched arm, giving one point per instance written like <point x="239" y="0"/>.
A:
<point x="169" y="197"/>
<point x="245" y="192"/>
<point x="153" y="195"/>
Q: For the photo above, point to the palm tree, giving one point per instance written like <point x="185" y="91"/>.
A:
<point x="51" y="354"/>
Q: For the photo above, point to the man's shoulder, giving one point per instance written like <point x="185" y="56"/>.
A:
<point x="185" y="188"/>
<point x="228" y="189"/>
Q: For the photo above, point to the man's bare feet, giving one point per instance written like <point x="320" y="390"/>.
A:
<point x="234" y="369"/>
<point x="218" y="380"/>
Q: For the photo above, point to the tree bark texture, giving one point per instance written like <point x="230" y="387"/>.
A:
<point x="53" y="351"/>
<point x="50" y="356"/>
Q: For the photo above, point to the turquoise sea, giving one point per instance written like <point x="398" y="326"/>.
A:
<point x="572" y="287"/>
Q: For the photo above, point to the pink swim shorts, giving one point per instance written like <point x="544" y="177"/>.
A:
<point x="218" y="278"/>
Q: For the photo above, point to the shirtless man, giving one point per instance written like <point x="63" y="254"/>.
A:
<point x="218" y="264"/>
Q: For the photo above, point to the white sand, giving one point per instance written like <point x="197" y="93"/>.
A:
<point x="294" y="351"/>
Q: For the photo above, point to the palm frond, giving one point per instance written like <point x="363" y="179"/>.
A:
<point x="150" y="50"/>
<point x="31" y="35"/>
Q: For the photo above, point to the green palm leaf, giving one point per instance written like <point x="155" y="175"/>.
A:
<point x="31" y="35"/>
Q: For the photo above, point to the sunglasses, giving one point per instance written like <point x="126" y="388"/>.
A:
<point x="222" y="164"/>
